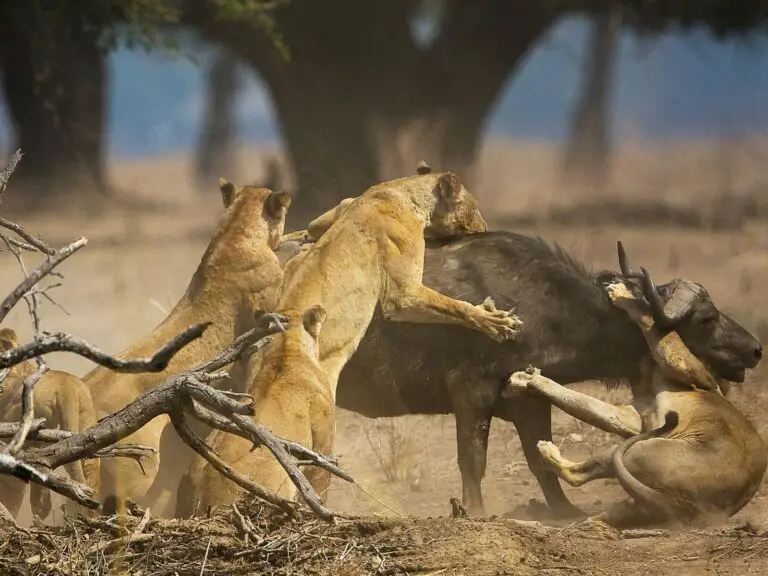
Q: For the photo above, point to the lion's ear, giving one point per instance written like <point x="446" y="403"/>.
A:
<point x="313" y="320"/>
<point x="8" y="339"/>
<point x="423" y="168"/>
<point x="227" y="191"/>
<point x="448" y="187"/>
<point x="277" y="204"/>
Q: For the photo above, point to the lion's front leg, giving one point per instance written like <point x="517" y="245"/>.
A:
<point x="621" y="420"/>
<point x="424" y="305"/>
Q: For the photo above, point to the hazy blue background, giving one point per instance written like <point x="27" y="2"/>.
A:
<point x="675" y="86"/>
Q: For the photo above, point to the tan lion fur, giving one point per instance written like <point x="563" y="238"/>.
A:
<point x="705" y="467"/>
<point x="65" y="402"/>
<point x="238" y="273"/>
<point x="373" y="253"/>
<point x="293" y="399"/>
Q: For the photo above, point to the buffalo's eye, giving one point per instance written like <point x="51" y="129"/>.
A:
<point x="708" y="322"/>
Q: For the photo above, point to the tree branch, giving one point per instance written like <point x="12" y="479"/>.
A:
<point x="179" y="393"/>
<point x="308" y="457"/>
<point x="194" y="442"/>
<point x="27" y="409"/>
<point x="5" y="174"/>
<point x="38" y="274"/>
<point x="38" y="433"/>
<point x="31" y="240"/>
<point x="61" y="342"/>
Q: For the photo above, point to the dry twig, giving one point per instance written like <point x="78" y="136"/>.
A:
<point x="38" y="274"/>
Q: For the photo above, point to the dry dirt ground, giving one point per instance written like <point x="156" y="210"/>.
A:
<point x="138" y="262"/>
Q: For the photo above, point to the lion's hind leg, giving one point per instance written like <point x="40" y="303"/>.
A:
<point x="576" y="473"/>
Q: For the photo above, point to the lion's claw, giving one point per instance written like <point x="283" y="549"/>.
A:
<point x="618" y="292"/>
<point x="500" y="325"/>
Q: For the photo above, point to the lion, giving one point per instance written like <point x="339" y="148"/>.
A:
<point x="691" y="457"/>
<point x="238" y="273"/>
<point x="293" y="399"/>
<point x="373" y="254"/>
<point x="65" y="402"/>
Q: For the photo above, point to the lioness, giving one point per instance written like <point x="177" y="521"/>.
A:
<point x="697" y="459"/>
<point x="238" y="273"/>
<point x="65" y="402"/>
<point x="293" y="399"/>
<point x="374" y="253"/>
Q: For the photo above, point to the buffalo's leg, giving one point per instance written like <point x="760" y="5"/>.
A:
<point x="576" y="473"/>
<point x="473" y="408"/>
<point x="621" y="420"/>
<point x="532" y="417"/>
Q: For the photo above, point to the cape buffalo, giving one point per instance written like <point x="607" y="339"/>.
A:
<point x="570" y="331"/>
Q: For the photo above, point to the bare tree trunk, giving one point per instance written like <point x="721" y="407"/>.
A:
<point x="587" y="156"/>
<point x="216" y="147"/>
<point x="359" y="101"/>
<point x="327" y="140"/>
<point x="54" y="83"/>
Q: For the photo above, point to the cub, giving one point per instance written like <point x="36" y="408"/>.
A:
<point x="293" y="399"/>
<point x="65" y="402"/>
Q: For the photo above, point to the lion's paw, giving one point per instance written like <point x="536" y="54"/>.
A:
<point x="619" y="293"/>
<point x="517" y="385"/>
<point x="549" y="453"/>
<point x="500" y="325"/>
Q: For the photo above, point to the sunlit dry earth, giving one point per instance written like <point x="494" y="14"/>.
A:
<point x="137" y="265"/>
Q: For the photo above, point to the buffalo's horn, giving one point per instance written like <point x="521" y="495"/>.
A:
<point x="679" y="305"/>
<point x="626" y="270"/>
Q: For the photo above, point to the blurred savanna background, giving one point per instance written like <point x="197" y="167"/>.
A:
<point x="583" y="121"/>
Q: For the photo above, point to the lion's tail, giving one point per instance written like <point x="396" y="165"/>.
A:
<point x="644" y="495"/>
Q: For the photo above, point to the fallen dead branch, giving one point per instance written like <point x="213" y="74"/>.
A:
<point x="61" y="342"/>
<point x="175" y="397"/>
<point x="181" y="395"/>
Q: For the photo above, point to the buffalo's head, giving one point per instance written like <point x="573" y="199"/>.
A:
<point x="685" y="306"/>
